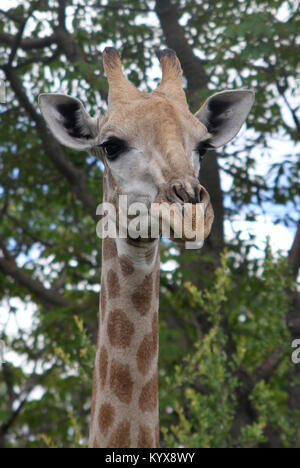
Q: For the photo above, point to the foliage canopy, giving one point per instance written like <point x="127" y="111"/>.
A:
<point x="226" y="320"/>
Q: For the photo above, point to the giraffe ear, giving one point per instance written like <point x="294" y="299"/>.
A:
<point x="68" y="120"/>
<point x="224" y="113"/>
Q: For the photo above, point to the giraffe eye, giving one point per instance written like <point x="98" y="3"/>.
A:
<point x="202" y="149"/>
<point x="113" y="147"/>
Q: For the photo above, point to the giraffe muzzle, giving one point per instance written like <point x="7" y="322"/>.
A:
<point x="186" y="209"/>
<point x="189" y="192"/>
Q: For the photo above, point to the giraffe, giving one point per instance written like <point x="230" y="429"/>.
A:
<point x="151" y="146"/>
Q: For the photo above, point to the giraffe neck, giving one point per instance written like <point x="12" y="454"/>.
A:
<point x="125" y="385"/>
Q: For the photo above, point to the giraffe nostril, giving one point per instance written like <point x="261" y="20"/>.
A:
<point x="198" y="193"/>
<point x="186" y="191"/>
<point x="203" y="196"/>
<point x="180" y="193"/>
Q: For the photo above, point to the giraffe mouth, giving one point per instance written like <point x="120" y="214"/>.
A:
<point x="141" y="241"/>
<point x="180" y="222"/>
<point x="186" y="222"/>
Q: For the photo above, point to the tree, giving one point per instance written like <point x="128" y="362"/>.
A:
<point x="50" y="256"/>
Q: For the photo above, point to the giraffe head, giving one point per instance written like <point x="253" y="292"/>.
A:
<point x="150" y="143"/>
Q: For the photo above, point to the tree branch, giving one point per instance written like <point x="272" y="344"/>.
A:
<point x="62" y="14"/>
<point x="53" y="150"/>
<point x="281" y="89"/>
<point x="30" y="43"/>
<point x="197" y="78"/>
<point x="10" y="15"/>
<point x="294" y="253"/>
<point x="120" y="5"/>
<point x="16" y="42"/>
<point x="38" y="58"/>
<point x="36" y="379"/>
<point x="267" y="368"/>
<point x="193" y="68"/>
<point x="244" y="179"/>
<point x="293" y="316"/>
<point x="47" y="296"/>
<point x="27" y="232"/>
<point x="70" y="47"/>
<point x="19" y="35"/>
